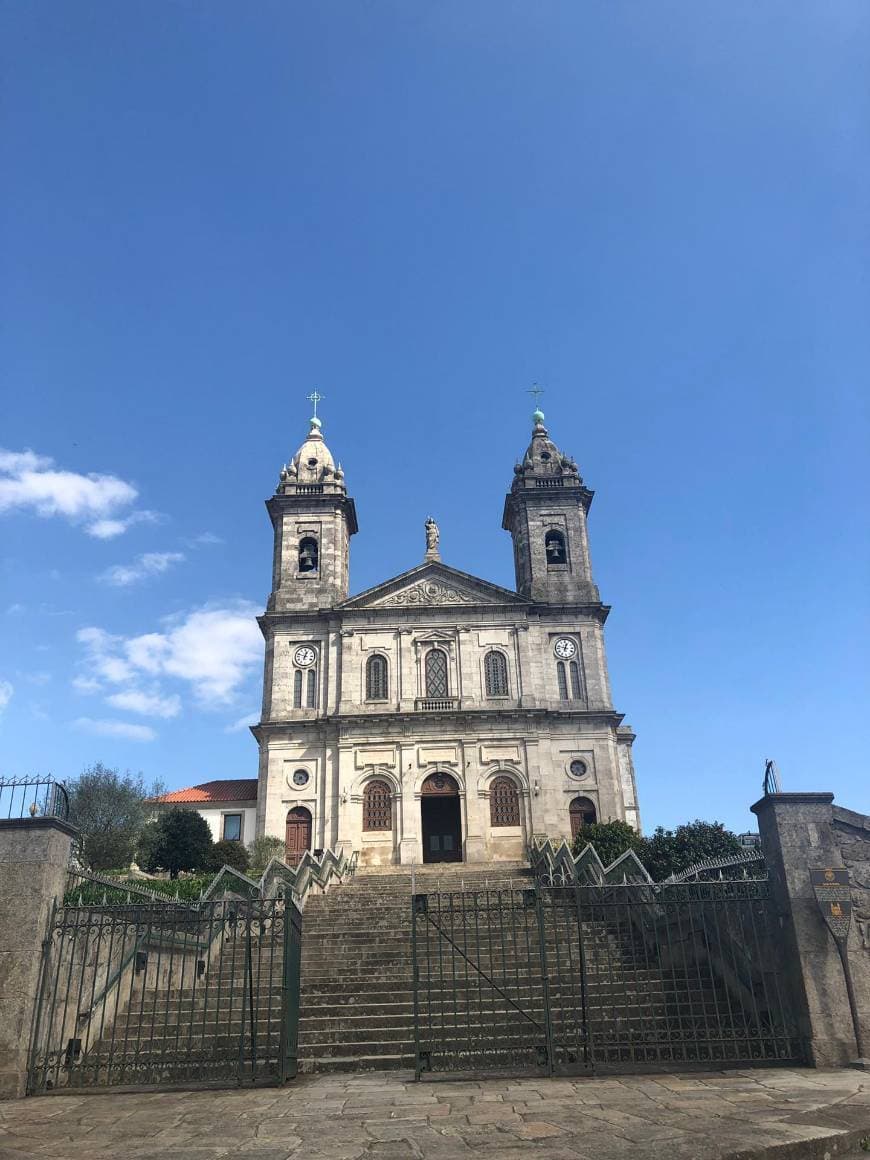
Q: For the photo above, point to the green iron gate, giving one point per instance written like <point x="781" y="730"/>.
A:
<point x="575" y="979"/>
<point x="167" y="993"/>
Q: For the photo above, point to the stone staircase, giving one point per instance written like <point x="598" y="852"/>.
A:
<point x="357" y="1009"/>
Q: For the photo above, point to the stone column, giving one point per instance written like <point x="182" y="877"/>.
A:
<point x="409" y="844"/>
<point x="34" y="859"/>
<point x="797" y="833"/>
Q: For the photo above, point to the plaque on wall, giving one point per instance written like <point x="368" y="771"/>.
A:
<point x="831" y="888"/>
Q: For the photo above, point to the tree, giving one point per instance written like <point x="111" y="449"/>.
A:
<point x="668" y="852"/>
<point x="262" y="851"/>
<point x="609" y="839"/>
<point x="179" y="840"/>
<point x="110" y="810"/>
<point x="228" y="853"/>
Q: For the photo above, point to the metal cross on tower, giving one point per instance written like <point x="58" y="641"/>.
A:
<point x="536" y="391"/>
<point x="315" y="397"/>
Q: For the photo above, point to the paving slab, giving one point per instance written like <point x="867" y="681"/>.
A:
<point x="788" y="1114"/>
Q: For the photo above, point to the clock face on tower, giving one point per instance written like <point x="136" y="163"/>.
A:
<point x="305" y="656"/>
<point x="564" y="648"/>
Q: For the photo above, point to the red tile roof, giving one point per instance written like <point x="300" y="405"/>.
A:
<point x="239" y="789"/>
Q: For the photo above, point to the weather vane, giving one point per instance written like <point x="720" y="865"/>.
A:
<point x="536" y="391"/>
<point x="315" y="397"/>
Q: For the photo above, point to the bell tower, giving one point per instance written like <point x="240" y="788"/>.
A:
<point x="545" y="512"/>
<point x="313" y="519"/>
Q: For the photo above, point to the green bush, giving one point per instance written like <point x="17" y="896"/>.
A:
<point x="664" y="852"/>
<point x="229" y="853"/>
<point x="609" y="839"/>
<point x="262" y="850"/>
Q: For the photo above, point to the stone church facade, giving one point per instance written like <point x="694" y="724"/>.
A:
<point x="436" y="716"/>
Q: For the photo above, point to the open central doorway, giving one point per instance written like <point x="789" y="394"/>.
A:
<point x="442" y="819"/>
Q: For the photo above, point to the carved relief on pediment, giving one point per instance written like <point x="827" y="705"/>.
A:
<point x="427" y="592"/>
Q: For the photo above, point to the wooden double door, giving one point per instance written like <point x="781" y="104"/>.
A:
<point x="298" y="835"/>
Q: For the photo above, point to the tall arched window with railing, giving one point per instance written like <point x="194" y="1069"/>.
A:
<point x="576" y="685"/>
<point x="376" y="678"/>
<point x="562" y="678"/>
<point x="377" y="806"/>
<point x="308" y="554"/>
<point x="297" y="689"/>
<point x="436" y="673"/>
<point x="495" y="674"/>
<point x="311" y="699"/>
<point x="504" y="802"/>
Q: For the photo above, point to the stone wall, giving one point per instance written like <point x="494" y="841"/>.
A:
<point x="800" y="831"/>
<point x="34" y="858"/>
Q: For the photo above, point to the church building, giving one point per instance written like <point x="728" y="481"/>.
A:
<point x="437" y="716"/>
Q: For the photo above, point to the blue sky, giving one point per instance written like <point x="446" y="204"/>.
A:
<point x="657" y="211"/>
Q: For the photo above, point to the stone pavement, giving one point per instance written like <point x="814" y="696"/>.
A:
<point x="781" y="1114"/>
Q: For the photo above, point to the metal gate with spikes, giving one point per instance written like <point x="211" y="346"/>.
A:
<point x="574" y="979"/>
<point x="144" y="993"/>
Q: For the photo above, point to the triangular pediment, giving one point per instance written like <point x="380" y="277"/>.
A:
<point x="430" y="585"/>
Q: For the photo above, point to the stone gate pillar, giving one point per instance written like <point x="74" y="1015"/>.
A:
<point x="34" y="860"/>
<point x="797" y="832"/>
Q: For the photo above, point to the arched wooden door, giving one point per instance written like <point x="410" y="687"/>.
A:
<point x="441" y="816"/>
<point x="582" y="812"/>
<point x="298" y="838"/>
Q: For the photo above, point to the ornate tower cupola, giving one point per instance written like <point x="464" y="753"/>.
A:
<point x="545" y="513"/>
<point x="313" y="518"/>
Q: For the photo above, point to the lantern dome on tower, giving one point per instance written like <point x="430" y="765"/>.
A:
<point x="312" y="466"/>
<point x="543" y="463"/>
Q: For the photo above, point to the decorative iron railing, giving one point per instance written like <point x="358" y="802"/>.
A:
<point x="33" y="797"/>
<point x="277" y="880"/>
<point x="555" y="864"/>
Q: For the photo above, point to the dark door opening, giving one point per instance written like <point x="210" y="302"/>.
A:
<point x="441" y="816"/>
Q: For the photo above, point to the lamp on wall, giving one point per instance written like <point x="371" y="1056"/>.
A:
<point x="535" y="787"/>
<point x="344" y="797"/>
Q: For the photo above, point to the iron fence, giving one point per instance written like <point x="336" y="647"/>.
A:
<point x="573" y="979"/>
<point x="33" y="797"/>
<point x="143" y="993"/>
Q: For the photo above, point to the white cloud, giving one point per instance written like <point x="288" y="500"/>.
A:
<point x="243" y="723"/>
<point x="204" y="539"/>
<point x="16" y="609"/>
<point x="213" y="649"/>
<point x="38" y="678"/>
<point x="143" y="567"/>
<point x="6" y="691"/>
<point x="86" y="685"/>
<point x="148" y="704"/>
<point x="124" y="729"/>
<point x="30" y="482"/>
<point x="107" y="529"/>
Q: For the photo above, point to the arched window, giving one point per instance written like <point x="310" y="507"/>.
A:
<point x="377" y="806"/>
<point x="495" y="674"/>
<point x="436" y="673"/>
<point x="562" y="679"/>
<point x="312" y="689"/>
<point x="582" y="812"/>
<point x="504" y="803"/>
<point x="297" y="689"/>
<point x="554" y="548"/>
<point x="376" y="678"/>
<point x="308" y="554"/>
<point x="576" y="687"/>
